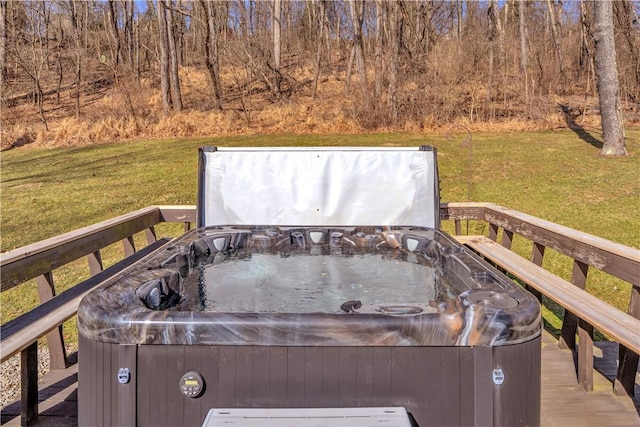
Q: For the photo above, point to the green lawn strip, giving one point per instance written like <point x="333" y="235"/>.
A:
<point x="552" y="175"/>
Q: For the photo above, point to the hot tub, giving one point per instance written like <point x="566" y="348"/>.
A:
<point x="310" y="317"/>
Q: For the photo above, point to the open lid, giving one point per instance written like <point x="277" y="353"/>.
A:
<point x="319" y="186"/>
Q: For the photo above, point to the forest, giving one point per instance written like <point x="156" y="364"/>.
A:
<point x="85" y="71"/>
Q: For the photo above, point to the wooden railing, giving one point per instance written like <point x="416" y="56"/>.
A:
<point x="39" y="260"/>
<point x="586" y="251"/>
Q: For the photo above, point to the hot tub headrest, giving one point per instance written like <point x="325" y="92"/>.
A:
<point x="157" y="294"/>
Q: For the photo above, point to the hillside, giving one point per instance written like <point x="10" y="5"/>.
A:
<point x="82" y="72"/>
<point x="105" y="114"/>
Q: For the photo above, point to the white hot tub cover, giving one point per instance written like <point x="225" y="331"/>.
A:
<point x="320" y="186"/>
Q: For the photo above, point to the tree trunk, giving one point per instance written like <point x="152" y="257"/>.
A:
<point x="378" y="50"/>
<point x="357" y="16"/>
<point x="3" y="43"/>
<point x="394" y="43"/>
<point x="523" y="47"/>
<point x="180" y="39"/>
<point x="628" y="18"/>
<point x="78" y="75"/>
<point x="459" y="28"/>
<point x="164" y="56"/>
<point x="607" y="74"/>
<point x="113" y="29"/>
<point x="128" y="33"/>
<point x="493" y="33"/>
<point x="60" y="77"/>
<point x="321" y="24"/>
<point x="211" y="48"/>
<point x="347" y="79"/>
<point x="277" y="43"/>
<point x="176" y="94"/>
<point x="555" y="27"/>
<point x="137" y="50"/>
<point x="585" y="51"/>
<point x="76" y="23"/>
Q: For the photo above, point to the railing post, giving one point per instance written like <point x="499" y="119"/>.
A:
<point x="493" y="232"/>
<point x="585" y="332"/>
<point x="55" y="340"/>
<point x="627" y="360"/>
<point x="585" y="355"/>
<point x="507" y="238"/>
<point x="151" y="235"/>
<point x="537" y="255"/>
<point x="627" y="367"/>
<point x="95" y="263"/>
<point x="570" y="321"/>
<point x="29" y="385"/>
<point x="129" y="246"/>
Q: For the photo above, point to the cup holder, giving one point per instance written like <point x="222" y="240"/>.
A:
<point x="491" y="299"/>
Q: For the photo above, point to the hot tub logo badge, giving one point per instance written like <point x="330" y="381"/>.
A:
<point x="498" y="376"/>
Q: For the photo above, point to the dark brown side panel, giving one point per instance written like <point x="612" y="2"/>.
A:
<point x="97" y="383"/>
<point x="476" y="387"/>
<point x="126" y="392"/>
<point x="439" y="386"/>
<point x="427" y="381"/>
<point x="517" y="400"/>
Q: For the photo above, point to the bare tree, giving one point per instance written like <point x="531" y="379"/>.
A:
<point x="169" y="79"/>
<point x="277" y="44"/>
<point x="3" y="42"/>
<point x="129" y="32"/>
<point x="34" y="61"/>
<point x="165" y="85"/>
<point x="378" y="49"/>
<point x="357" y="49"/>
<point x="113" y="31"/>
<point x="523" y="46"/>
<point x="394" y="53"/>
<point x="586" y="51"/>
<point x="432" y="60"/>
<point x="625" y="18"/>
<point x="211" y="50"/>
<point x="494" y="28"/>
<point x="174" y="77"/>
<point x="607" y="73"/>
<point x="78" y="25"/>
<point x="322" y="17"/>
<point x="555" y="32"/>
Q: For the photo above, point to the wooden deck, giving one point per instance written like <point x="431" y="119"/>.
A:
<point x="564" y="403"/>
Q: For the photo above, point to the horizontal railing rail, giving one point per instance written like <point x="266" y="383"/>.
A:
<point x="40" y="259"/>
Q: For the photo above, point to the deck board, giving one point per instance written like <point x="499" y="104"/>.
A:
<point x="564" y="403"/>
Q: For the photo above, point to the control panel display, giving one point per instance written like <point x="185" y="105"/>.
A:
<point x="192" y="384"/>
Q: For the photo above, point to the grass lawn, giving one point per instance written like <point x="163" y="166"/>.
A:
<point x="552" y="175"/>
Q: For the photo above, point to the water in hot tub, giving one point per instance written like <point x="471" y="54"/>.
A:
<point x="302" y="283"/>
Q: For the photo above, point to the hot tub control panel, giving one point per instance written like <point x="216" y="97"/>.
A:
<point x="192" y="384"/>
